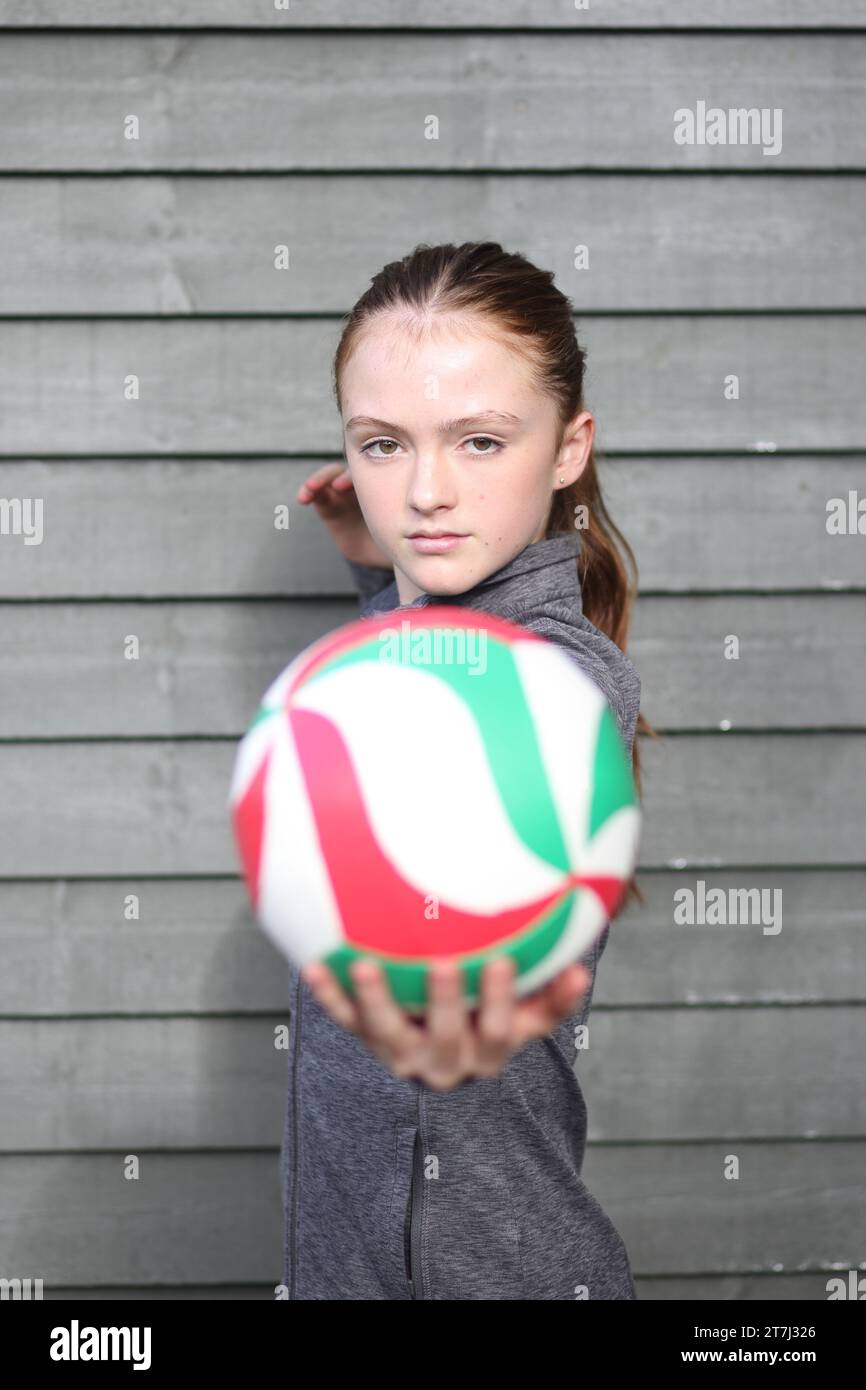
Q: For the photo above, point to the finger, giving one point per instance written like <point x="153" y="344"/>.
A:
<point x="496" y="1015"/>
<point x="331" y="995"/>
<point x="536" y="1016"/>
<point x="447" y="1023"/>
<point x="565" y="990"/>
<point x="320" y="479"/>
<point x="383" y="1023"/>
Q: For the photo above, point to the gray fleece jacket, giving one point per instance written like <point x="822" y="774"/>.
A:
<point x="392" y="1190"/>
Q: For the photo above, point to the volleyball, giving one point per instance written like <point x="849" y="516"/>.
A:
<point x="440" y="782"/>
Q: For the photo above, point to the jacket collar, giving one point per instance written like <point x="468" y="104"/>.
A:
<point x="556" y="554"/>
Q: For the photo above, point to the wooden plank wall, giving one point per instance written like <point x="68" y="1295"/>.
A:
<point x="154" y="1037"/>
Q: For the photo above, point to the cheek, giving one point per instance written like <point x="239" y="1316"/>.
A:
<point x="376" y="498"/>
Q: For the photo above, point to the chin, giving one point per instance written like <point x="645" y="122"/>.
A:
<point x="440" y="585"/>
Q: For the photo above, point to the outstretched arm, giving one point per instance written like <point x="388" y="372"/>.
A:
<point x="450" y="1045"/>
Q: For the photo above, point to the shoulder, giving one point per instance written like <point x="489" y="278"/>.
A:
<point x="371" y="581"/>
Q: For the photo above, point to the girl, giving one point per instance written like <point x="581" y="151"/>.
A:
<point x="441" y="1159"/>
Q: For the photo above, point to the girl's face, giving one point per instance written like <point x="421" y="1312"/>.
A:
<point x="446" y="433"/>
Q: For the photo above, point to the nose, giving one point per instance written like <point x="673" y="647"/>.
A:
<point x="431" y="483"/>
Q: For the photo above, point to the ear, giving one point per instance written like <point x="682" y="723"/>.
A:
<point x="575" y="450"/>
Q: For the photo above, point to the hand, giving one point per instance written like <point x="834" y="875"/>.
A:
<point x="332" y="492"/>
<point x="448" y="1046"/>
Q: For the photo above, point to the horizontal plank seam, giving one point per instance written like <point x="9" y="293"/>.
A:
<point x="416" y="31"/>
<point x="600" y="1007"/>
<point x="217" y="1150"/>
<point x="588" y="171"/>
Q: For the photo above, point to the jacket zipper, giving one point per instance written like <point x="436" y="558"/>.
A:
<point x="407" y="1224"/>
<point x="412" y="1224"/>
<point x="293" y="1223"/>
<point x="412" y="1227"/>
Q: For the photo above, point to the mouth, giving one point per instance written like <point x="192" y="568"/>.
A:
<point x="436" y="542"/>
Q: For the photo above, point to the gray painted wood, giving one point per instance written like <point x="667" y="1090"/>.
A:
<point x="458" y="14"/>
<point x="231" y="649"/>
<point x="678" y="1214"/>
<point x="189" y="1218"/>
<point x="304" y="101"/>
<point x="70" y="678"/>
<point x="798" y="664"/>
<point x="69" y="949"/>
<point x="660" y="1288"/>
<point x="200" y="528"/>
<point x="736" y="1288"/>
<point x="175" y="245"/>
<point x="200" y="1292"/>
<point x="750" y="1072"/>
<point x="159" y="1032"/>
<point x="87" y="809"/>
<point x="652" y="1075"/>
<point x="816" y="955"/>
<point x="198" y="1219"/>
<point x="164" y="1083"/>
<point x="263" y="385"/>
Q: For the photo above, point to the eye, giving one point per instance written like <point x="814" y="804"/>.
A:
<point x="485" y="438"/>
<point x="367" y="447"/>
<point x="475" y="439"/>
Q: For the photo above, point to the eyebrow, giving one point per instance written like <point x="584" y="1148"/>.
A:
<point x="464" y="422"/>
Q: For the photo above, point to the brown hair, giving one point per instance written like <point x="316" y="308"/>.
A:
<point x="519" y="301"/>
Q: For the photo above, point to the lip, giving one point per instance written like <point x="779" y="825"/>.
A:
<point x="436" y="543"/>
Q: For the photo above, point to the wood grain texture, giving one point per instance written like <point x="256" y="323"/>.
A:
<point x="69" y="676"/>
<point x="458" y="14"/>
<point x="654" y="1075"/>
<point x="204" y="1219"/>
<point x="202" y="528"/>
<point x="87" y="809"/>
<point x="250" y="386"/>
<point x="70" y="949"/>
<point x="155" y="258"/>
<point x="304" y="101"/>
<point x="734" y="1288"/>
<point x="180" y="245"/>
